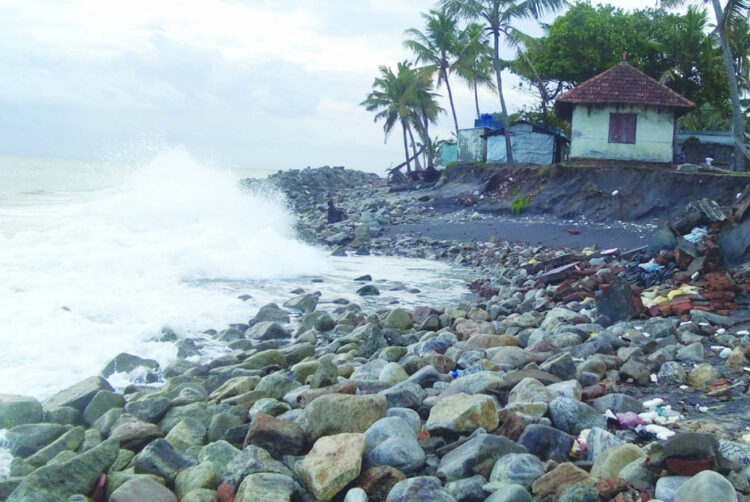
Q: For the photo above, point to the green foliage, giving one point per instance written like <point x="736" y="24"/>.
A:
<point x="519" y="203"/>
<point x="588" y="40"/>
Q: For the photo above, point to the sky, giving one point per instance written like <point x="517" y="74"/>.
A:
<point x="267" y="84"/>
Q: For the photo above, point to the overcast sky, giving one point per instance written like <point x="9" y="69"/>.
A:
<point x="255" y="83"/>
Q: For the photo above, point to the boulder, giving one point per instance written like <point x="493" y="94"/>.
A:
<point x="337" y="413"/>
<point x="251" y="460"/>
<point x="266" y="487"/>
<point x="573" y="416"/>
<point x="419" y="489"/>
<point x="125" y="363"/>
<point x="78" y="395"/>
<point x="517" y="468"/>
<point x="463" y="413"/>
<point x="706" y="486"/>
<point x="478" y="455"/>
<point x="392" y="441"/>
<point x="333" y="463"/>
<point x="56" y="482"/>
<point x="140" y="489"/>
<point x="18" y="410"/>
<point x="278" y="437"/>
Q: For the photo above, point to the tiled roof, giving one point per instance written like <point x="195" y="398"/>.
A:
<point x="622" y="84"/>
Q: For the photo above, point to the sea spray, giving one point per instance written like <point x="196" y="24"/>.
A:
<point x="103" y="276"/>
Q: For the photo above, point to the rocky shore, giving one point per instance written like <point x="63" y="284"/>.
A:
<point x="576" y="375"/>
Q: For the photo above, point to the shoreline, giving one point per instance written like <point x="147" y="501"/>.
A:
<point x="439" y="401"/>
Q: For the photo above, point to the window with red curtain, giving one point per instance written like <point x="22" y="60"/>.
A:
<point x="622" y="127"/>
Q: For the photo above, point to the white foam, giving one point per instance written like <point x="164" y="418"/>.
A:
<point x="100" y="277"/>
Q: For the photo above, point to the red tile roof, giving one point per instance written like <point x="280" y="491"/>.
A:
<point x="622" y="84"/>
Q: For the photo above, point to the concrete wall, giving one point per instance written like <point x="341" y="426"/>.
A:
<point x="653" y="134"/>
<point x="472" y="148"/>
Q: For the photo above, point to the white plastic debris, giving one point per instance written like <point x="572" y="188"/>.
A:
<point x="653" y="403"/>
<point x="743" y="332"/>
<point x="683" y="387"/>
<point x="661" y="433"/>
<point x="615" y="192"/>
<point x="725" y="353"/>
<point x="703" y="409"/>
<point x="721" y="331"/>
<point x="654" y="378"/>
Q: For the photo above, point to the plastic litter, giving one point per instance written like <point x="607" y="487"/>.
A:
<point x="650" y="266"/>
<point x="474" y="368"/>
<point x="653" y="431"/>
<point x="696" y="235"/>
<point x="629" y="420"/>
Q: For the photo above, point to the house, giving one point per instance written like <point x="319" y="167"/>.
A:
<point x="623" y="114"/>
<point x="530" y="143"/>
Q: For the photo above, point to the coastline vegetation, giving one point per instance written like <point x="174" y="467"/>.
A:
<point x="703" y="54"/>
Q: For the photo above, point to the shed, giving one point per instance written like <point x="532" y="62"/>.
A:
<point x="701" y="144"/>
<point x="531" y="144"/>
<point x="623" y="114"/>
<point x="472" y="147"/>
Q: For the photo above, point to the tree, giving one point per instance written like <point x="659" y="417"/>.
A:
<point x="730" y="20"/>
<point x="392" y="98"/>
<point x="436" y="47"/>
<point x="498" y="16"/>
<point x="474" y="62"/>
<point x="404" y="97"/>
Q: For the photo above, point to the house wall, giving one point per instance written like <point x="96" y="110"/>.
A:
<point x="528" y="147"/>
<point x="471" y="146"/>
<point x="653" y="136"/>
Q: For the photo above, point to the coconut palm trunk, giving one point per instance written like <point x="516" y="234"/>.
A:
<point x="406" y="149"/>
<point x="738" y="119"/>
<point x="476" y="99"/>
<point x="417" y="165"/>
<point x="450" y="98"/>
<point x="503" y="108"/>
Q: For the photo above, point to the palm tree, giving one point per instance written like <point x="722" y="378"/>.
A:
<point x="404" y="96"/>
<point x="436" y="48"/>
<point x="474" y="62"/>
<point x="425" y="101"/>
<point x="729" y="19"/>
<point x="498" y="16"/>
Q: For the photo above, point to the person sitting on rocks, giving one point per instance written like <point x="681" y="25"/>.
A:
<point x="335" y="214"/>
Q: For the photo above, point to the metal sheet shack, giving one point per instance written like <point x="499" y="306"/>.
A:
<point x="531" y="144"/>
<point x="622" y="114"/>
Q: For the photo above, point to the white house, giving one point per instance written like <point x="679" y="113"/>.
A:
<point x="622" y="114"/>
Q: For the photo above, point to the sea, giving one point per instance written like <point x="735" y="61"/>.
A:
<point x="97" y="257"/>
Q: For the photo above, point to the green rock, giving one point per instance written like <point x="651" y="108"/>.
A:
<point x="463" y="413"/>
<point x="269" y="406"/>
<point x="305" y="369"/>
<point x="102" y="402"/>
<point x="188" y="432"/>
<point x="266" y="487"/>
<point x="609" y="463"/>
<point x="71" y="440"/>
<point x="53" y="483"/>
<point x="398" y="319"/>
<point x="251" y="460"/>
<point x="321" y="321"/>
<point x="20" y="467"/>
<point x="117" y="479"/>
<point x="220" y="453"/>
<point x="150" y="409"/>
<point x="220" y="423"/>
<point x="142" y="489"/>
<point x="393" y="354"/>
<point x="326" y="374"/>
<point x="91" y="438"/>
<point x="122" y="461"/>
<point x="263" y="359"/>
<point x="276" y="385"/>
<point x="267" y="330"/>
<point x="64" y="415"/>
<point x="18" y="410"/>
<point x="25" y="440"/>
<point x="7" y="486"/>
<point x="235" y="386"/>
<point x="201" y="495"/>
<point x="299" y="351"/>
<point x="203" y="412"/>
<point x="333" y="463"/>
<point x="161" y="459"/>
<point x="105" y="423"/>
<point x="132" y="433"/>
<point x="62" y="457"/>
<point x="337" y="413"/>
<point x="125" y="363"/>
<point x="203" y="475"/>
<point x="706" y="486"/>
<point x="78" y="395"/>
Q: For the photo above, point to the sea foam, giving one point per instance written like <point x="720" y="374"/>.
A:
<point x="103" y="276"/>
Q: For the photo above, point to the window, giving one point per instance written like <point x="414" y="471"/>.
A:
<point x="622" y="128"/>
